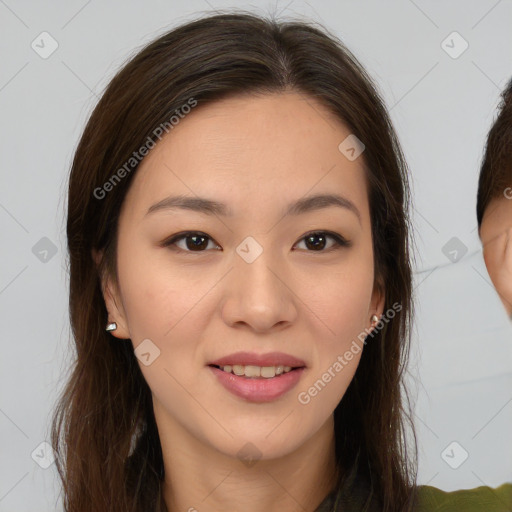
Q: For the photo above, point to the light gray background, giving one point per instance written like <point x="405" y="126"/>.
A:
<point x="442" y="107"/>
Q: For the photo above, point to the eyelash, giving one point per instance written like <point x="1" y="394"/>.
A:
<point x="339" y="241"/>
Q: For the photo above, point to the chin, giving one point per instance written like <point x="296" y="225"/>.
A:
<point x="251" y="446"/>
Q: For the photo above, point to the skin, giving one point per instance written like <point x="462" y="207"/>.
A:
<point x="496" y="237"/>
<point x="256" y="154"/>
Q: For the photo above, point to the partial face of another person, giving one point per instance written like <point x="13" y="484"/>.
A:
<point x="496" y="236"/>
<point x="247" y="276"/>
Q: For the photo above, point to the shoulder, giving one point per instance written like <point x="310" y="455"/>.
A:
<point x="478" y="499"/>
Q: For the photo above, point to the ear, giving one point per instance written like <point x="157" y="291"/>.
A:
<point x="378" y="299"/>
<point x="112" y="300"/>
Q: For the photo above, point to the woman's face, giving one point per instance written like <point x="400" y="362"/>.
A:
<point x="251" y="281"/>
<point x="496" y="236"/>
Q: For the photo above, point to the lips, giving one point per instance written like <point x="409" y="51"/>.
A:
<point x="258" y="389"/>
<point x="253" y="359"/>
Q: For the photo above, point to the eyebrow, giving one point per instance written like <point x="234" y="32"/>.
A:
<point x="211" y="207"/>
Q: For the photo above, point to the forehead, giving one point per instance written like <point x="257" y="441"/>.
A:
<point x="248" y="151"/>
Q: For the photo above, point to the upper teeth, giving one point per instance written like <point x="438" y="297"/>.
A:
<point x="256" y="371"/>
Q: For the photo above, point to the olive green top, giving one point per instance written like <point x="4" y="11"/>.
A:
<point x="432" y="499"/>
<point x="479" y="499"/>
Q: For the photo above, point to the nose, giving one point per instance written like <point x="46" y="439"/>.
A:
<point x="259" y="295"/>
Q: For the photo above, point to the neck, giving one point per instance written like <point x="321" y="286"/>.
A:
<point x="199" y="478"/>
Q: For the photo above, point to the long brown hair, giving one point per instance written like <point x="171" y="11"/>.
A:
<point x="104" y="434"/>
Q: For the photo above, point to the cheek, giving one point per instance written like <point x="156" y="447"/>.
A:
<point x="340" y="302"/>
<point x="491" y="257"/>
<point x="342" y="309"/>
<point x="348" y="300"/>
<point x="163" y="304"/>
<point x="157" y="296"/>
<point x="340" y="296"/>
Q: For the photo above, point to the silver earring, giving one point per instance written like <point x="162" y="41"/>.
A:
<point x="111" y="327"/>
<point x="375" y="319"/>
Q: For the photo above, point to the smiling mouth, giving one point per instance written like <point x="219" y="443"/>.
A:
<point x="256" y="372"/>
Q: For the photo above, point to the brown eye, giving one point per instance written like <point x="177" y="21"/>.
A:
<point x="194" y="241"/>
<point x="317" y="241"/>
